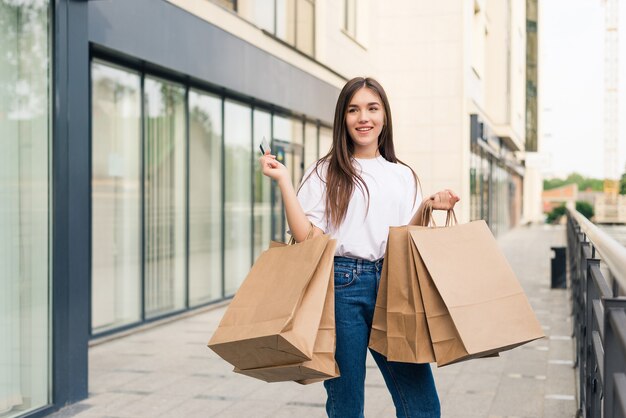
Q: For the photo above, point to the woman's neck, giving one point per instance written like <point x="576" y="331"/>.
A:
<point x="366" y="155"/>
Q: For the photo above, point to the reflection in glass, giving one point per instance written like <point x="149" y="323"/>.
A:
<point x="326" y="140"/>
<point x="205" y="197"/>
<point x="262" y="197"/>
<point x="116" y="197"/>
<point x="237" y="204"/>
<point x="24" y="206"/>
<point x="310" y="145"/>
<point x="164" y="197"/>
<point x="285" y="21"/>
<point x="305" y="26"/>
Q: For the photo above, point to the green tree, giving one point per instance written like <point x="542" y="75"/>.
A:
<point x="583" y="183"/>
<point x="555" y="215"/>
<point x="622" y="184"/>
<point x="585" y="209"/>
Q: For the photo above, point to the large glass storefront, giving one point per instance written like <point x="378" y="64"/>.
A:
<point x="495" y="191"/>
<point x="180" y="208"/>
<point x="25" y="86"/>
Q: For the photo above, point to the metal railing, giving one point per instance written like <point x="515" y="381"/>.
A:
<point x="599" y="311"/>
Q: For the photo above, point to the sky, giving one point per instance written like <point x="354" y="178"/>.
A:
<point x="571" y="90"/>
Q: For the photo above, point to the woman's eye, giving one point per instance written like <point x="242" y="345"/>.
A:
<point x="352" y="110"/>
<point x="373" y="109"/>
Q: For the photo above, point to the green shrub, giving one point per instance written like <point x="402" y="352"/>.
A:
<point x="555" y="215"/>
<point x="585" y="209"/>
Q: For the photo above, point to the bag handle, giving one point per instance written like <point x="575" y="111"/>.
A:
<point x="425" y="215"/>
<point x="292" y="240"/>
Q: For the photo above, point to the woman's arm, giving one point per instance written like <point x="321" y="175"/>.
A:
<point x="443" y="200"/>
<point x="299" y="224"/>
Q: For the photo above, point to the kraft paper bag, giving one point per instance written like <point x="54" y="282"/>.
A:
<point x="475" y="307"/>
<point x="407" y="334"/>
<point x="322" y="365"/>
<point x="275" y="316"/>
<point x="378" y="333"/>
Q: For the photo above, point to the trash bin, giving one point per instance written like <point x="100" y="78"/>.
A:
<point x="557" y="270"/>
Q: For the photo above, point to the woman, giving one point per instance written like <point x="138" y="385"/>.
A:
<point x="355" y="193"/>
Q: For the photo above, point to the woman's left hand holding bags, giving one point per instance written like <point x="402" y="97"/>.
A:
<point x="444" y="200"/>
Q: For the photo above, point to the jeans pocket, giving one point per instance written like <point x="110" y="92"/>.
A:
<point x="344" y="277"/>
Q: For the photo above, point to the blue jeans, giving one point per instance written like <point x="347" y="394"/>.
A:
<point x="411" y="385"/>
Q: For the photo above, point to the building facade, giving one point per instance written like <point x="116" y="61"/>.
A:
<point x="129" y="184"/>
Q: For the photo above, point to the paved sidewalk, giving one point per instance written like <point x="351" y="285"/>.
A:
<point x="168" y="371"/>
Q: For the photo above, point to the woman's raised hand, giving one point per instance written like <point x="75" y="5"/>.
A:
<point x="273" y="168"/>
<point x="444" y="200"/>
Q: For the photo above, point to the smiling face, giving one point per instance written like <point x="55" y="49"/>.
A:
<point x="365" y="118"/>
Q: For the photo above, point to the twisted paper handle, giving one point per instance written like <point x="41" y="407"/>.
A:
<point x="425" y="215"/>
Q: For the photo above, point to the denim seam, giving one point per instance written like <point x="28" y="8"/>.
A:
<point x="332" y="398"/>
<point x="400" y="394"/>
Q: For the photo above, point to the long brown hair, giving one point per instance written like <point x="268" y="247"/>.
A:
<point x="341" y="175"/>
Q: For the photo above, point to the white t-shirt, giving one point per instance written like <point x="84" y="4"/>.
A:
<point x="363" y="233"/>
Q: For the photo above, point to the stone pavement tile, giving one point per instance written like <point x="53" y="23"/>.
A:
<point x="101" y="381"/>
<point x="376" y="400"/>
<point x="495" y="365"/>
<point x="559" y="387"/>
<point x="476" y="383"/>
<point x="282" y="392"/>
<point x="553" y="408"/>
<point x="234" y="386"/>
<point x="187" y="386"/>
<point x="195" y="365"/>
<point x="561" y="327"/>
<point x="246" y="408"/>
<point x="469" y="405"/>
<point x="526" y="368"/>
<point x="519" y="397"/>
<point x="109" y="404"/>
<point x="152" y="382"/>
<point x="561" y="349"/>
<point x="150" y="406"/>
<point x="560" y="372"/>
<point x="192" y="408"/>
<point x="528" y="353"/>
<point x="291" y="411"/>
<point x="73" y="411"/>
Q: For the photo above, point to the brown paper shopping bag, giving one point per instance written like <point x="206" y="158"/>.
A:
<point x="474" y="305"/>
<point x="378" y="333"/>
<point x="322" y="365"/>
<point x="400" y="305"/>
<point x="275" y="316"/>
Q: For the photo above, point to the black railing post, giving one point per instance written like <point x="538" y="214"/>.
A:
<point x="594" y="351"/>
<point x="614" y="352"/>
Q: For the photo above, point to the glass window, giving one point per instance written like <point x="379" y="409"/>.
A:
<point x="164" y="196"/>
<point x="288" y="143"/>
<point x="326" y="140"/>
<point x="238" y="194"/>
<point x="311" y="153"/>
<point x="293" y="21"/>
<point x="259" y="12"/>
<point x="205" y="197"/>
<point x="24" y="206"/>
<point x="285" y="20"/>
<point x="305" y="26"/>
<point x="116" y="197"/>
<point x="262" y="186"/>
